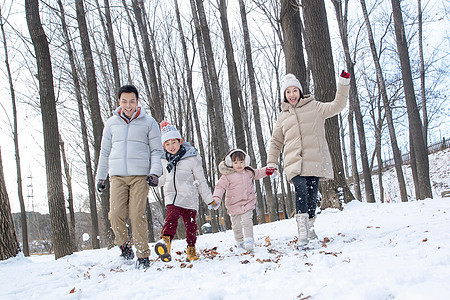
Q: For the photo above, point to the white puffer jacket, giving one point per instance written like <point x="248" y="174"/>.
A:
<point x="183" y="184"/>
<point x="130" y="148"/>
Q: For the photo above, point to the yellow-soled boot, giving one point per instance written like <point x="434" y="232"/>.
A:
<point x="191" y="254"/>
<point x="162" y="248"/>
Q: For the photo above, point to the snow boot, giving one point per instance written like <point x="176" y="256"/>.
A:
<point x="311" y="233"/>
<point x="240" y="244"/>
<point x="143" y="263"/>
<point x="162" y="248"/>
<point x="127" y="252"/>
<point x="191" y="254"/>
<point x="302" y="226"/>
<point x="248" y="244"/>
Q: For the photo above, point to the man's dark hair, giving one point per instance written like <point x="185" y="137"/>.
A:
<point x="128" y="89"/>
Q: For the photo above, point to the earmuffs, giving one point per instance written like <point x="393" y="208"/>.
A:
<point x="228" y="161"/>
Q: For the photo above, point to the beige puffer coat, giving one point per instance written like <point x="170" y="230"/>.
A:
<point x="301" y="129"/>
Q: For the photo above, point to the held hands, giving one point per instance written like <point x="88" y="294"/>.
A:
<point x="152" y="180"/>
<point x="271" y="170"/>
<point x="100" y="186"/>
<point x="213" y="205"/>
<point x="344" y="78"/>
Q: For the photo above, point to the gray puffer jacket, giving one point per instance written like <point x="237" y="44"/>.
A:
<point x="184" y="183"/>
<point x="130" y="148"/>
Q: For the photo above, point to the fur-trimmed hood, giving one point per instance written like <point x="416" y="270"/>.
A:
<point x="224" y="169"/>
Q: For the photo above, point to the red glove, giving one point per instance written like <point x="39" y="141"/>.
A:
<point x="269" y="171"/>
<point x="345" y="74"/>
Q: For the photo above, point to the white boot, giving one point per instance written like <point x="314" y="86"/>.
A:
<point x="311" y="233"/>
<point x="248" y="244"/>
<point x="302" y="226"/>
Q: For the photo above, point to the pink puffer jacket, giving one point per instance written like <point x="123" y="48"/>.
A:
<point x="240" y="192"/>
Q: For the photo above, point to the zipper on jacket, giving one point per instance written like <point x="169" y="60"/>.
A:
<point x="174" y="184"/>
<point x="126" y="149"/>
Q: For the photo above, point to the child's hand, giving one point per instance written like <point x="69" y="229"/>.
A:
<point x="213" y="205"/>
<point x="344" y="79"/>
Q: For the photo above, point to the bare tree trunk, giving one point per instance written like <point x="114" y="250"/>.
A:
<point x="255" y="108"/>
<point x="387" y="108"/>
<point x="423" y="96"/>
<point x="212" y="90"/>
<point x="415" y="124"/>
<point x="155" y="96"/>
<point x="148" y="211"/>
<point x="112" y="46"/>
<point x="355" y="173"/>
<point x="68" y="175"/>
<point x="96" y="118"/>
<point x="58" y="218"/>
<point x="344" y="150"/>
<point x="84" y="134"/>
<point x="9" y="247"/>
<point x="233" y="79"/>
<point x="23" y="214"/>
<point x="293" y="41"/>
<point x="321" y="62"/>
<point x="140" y="60"/>
<point x="219" y="130"/>
<point x="341" y="15"/>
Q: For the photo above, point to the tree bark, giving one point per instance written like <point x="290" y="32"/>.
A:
<point x="96" y="118"/>
<point x="321" y="62"/>
<point x="293" y="41"/>
<point x="415" y="124"/>
<point x="23" y="214"/>
<point x="219" y="129"/>
<point x="234" y="84"/>
<point x="58" y="218"/>
<point x="341" y="15"/>
<point x="84" y="134"/>
<point x="68" y="176"/>
<point x="155" y="95"/>
<point x="9" y="247"/>
<point x="387" y="107"/>
<point x="255" y="108"/>
<point x="423" y="95"/>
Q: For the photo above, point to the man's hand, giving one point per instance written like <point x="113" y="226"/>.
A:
<point x="152" y="180"/>
<point x="100" y="186"/>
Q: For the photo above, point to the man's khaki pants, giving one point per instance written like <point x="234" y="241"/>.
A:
<point x="129" y="196"/>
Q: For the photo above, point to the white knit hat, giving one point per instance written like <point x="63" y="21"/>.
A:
<point x="169" y="132"/>
<point x="289" y="80"/>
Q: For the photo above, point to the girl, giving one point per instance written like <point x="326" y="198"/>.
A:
<point x="300" y="128"/>
<point x="183" y="180"/>
<point x="240" y="200"/>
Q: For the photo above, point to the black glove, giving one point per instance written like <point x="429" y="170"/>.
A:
<point x="100" y="186"/>
<point x="152" y="180"/>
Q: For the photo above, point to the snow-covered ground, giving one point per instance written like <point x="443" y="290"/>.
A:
<point x="367" y="251"/>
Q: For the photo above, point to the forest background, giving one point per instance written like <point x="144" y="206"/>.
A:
<point x="120" y="55"/>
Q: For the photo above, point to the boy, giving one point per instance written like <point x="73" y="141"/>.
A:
<point x="183" y="180"/>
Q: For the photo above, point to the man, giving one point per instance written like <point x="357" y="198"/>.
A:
<point x="131" y="153"/>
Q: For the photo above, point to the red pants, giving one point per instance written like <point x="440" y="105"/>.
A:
<point x="171" y="223"/>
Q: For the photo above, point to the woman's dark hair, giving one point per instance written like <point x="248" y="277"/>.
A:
<point x="239" y="155"/>
<point x="128" y="89"/>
